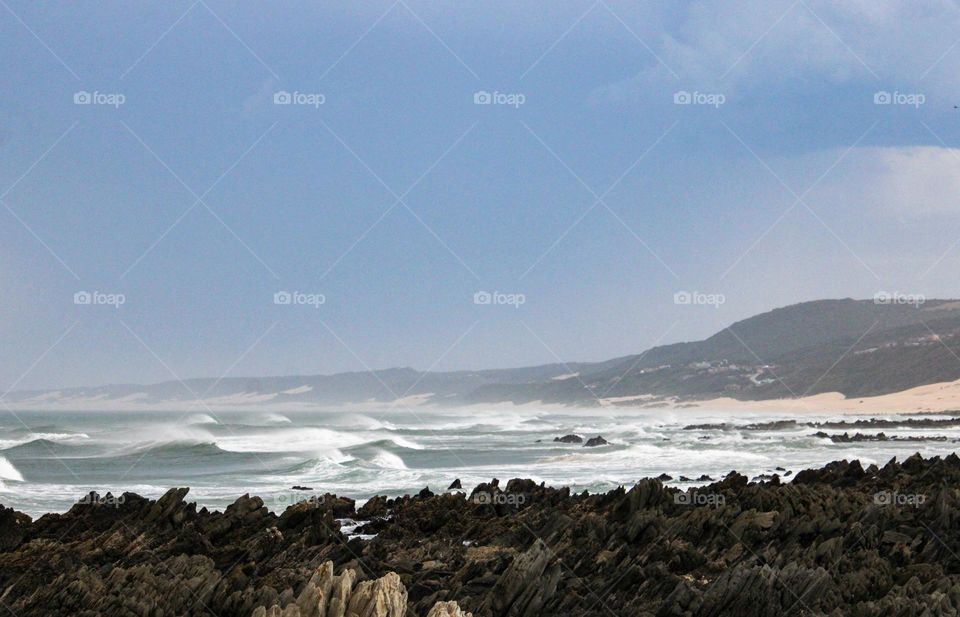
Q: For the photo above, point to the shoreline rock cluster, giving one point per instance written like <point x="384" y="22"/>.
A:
<point x="330" y="595"/>
<point x="839" y="540"/>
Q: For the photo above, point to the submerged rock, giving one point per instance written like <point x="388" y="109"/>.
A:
<point x="569" y="439"/>
<point x="595" y="441"/>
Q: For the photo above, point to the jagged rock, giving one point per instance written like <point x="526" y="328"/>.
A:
<point x="13" y="528"/>
<point x="447" y="609"/>
<point x="330" y="595"/>
<point x="454" y="485"/>
<point x="838" y="540"/>
<point x="171" y="508"/>
<point x="595" y="441"/>
<point x="569" y="439"/>
<point x="375" y="506"/>
<point x="521" y="586"/>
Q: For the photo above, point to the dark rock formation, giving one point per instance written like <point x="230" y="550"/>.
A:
<point x="455" y="485"/>
<point x="595" y="441"/>
<point x="569" y="439"/>
<point x="839" y="540"/>
<point x="858" y="437"/>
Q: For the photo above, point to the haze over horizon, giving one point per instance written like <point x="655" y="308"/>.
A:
<point x="562" y="364"/>
<point x="587" y="165"/>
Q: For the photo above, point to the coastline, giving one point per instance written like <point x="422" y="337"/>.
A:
<point x="866" y="541"/>
<point x="930" y="398"/>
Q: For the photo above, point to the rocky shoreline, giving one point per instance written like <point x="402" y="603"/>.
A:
<point x="840" y="540"/>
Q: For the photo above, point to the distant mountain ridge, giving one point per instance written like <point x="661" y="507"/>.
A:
<point x="855" y="347"/>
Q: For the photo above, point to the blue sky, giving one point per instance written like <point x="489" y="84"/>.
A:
<point x="594" y="195"/>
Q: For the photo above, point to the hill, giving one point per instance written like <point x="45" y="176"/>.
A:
<point x="856" y="347"/>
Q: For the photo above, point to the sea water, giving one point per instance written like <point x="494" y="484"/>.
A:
<point x="49" y="460"/>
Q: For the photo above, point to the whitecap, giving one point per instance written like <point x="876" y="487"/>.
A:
<point x="201" y="418"/>
<point x="307" y="439"/>
<point x="8" y="471"/>
<point x="270" y="418"/>
<point x="388" y="460"/>
<point x="406" y="443"/>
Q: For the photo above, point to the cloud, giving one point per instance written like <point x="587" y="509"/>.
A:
<point x="757" y="45"/>
<point x="908" y="183"/>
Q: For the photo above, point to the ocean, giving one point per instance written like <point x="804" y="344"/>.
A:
<point x="49" y="460"/>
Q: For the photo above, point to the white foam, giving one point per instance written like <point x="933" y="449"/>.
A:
<point x="201" y="418"/>
<point x="8" y="471"/>
<point x="388" y="460"/>
<point x="272" y="418"/>
<point x="406" y="443"/>
<point x="306" y="439"/>
<point x="300" y="390"/>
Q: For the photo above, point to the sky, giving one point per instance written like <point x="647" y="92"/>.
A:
<point x="209" y="189"/>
